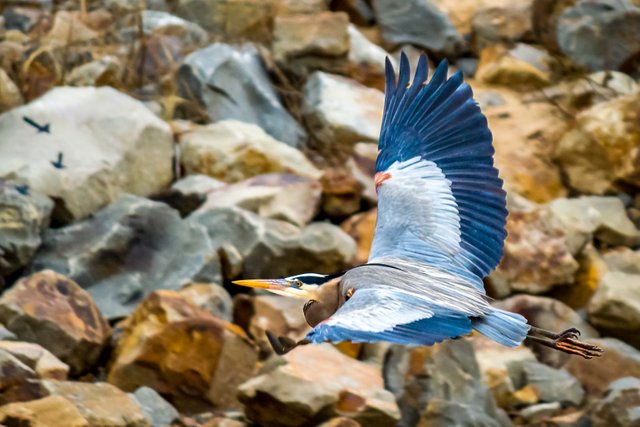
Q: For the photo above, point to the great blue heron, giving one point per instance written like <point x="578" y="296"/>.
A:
<point x="439" y="232"/>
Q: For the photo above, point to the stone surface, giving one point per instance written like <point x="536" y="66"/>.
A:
<point x="619" y="360"/>
<point x="597" y="154"/>
<point x="620" y="406"/>
<point x="231" y="151"/>
<point x="69" y="27"/>
<point x="504" y="22"/>
<point x="51" y="411"/>
<point x="10" y="95"/>
<point x="361" y="227"/>
<point x="615" y="306"/>
<point x="232" y="83"/>
<point x="522" y="67"/>
<point x="624" y="260"/>
<point x="182" y="352"/>
<point x="366" y="59"/>
<point x="292" y="394"/>
<point x="286" y="197"/>
<point x="53" y="311"/>
<point x="341" y="193"/>
<point x="433" y="384"/>
<point x="105" y="71"/>
<point x="23" y="218"/>
<point x="128" y="250"/>
<point x="340" y="112"/>
<point x="160" y="412"/>
<point x="536" y="254"/>
<point x="101" y="404"/>
<point x="600" y="34"/>
<point x="17" y="380"/>
<point x="323" y="34"/>
<point x="552" y="315"/>
<point x="362" y="166"/>
<point x="256" y="247"/>
<point x="210" y="297"/>
<point x="111" y="144"/>
<point x="36" y="357"/>
<point x="551" y="385"/>
<point x="404" y="21"/>
<point x="156" y="22"/>
<point x="602" y="217"/>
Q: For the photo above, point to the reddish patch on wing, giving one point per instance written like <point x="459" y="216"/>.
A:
<point x="381" y="177"/>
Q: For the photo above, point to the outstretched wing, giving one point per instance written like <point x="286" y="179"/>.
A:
<point x="440" y="199"/>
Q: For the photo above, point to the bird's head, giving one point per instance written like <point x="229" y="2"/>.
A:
<point x="321" y="291"/>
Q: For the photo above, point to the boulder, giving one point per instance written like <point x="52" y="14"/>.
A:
<point x="620" y="406"/>
<point x="624" y="260"/>
<point x="210" y="297"/>
<point x="51" y="411"/>
<point x="182" y="352"/>
<point x="536" y="254"/>
<point x="255" y="247"/>
<point x="502" y="22"/>
<point x="597" y="154"/>
<point x="232" y="151"/>
<point x="523" y="67"/>
<point x="36" y="357"/>
<point x="18" y="382"/>
<point x="128" y="250"/>
<point x="552" y="315"/>
<point x="160" y="412"/>
<point x="52" y="310"/>
<point x="366" y="59"/>
<point x="404" y="22"/>
<point x="362" y="166"/>
<point x="433" y="384"/>
<point x="340" y="112"/>
<point x="341" y="193"/>
<point x="551" y="385"/>
<point x="600" y="34"/>
<point x="10" y="95"/>
<point x="314" y="383"/>
<point x="101" y="404"/>
<point x="286" y="197"/>
<point x="23" y="218"/>
<point x="619" y="360"/>
<point x="107" y="143"/>
<point x="361" y="228"/>
<point x="231" y="83"/>
<point x="615" y="306"/>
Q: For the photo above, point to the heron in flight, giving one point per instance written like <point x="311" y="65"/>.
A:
<point x="440" y="230"/>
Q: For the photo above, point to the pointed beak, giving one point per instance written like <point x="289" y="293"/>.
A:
<point x="277" y="286"/>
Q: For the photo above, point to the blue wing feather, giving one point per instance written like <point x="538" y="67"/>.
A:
<point x="440" y="122"/>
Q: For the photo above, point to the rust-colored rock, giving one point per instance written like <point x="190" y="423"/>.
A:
<point x="17" y="380"/>
<point x="45" y="364"/>
<point x="361" y="227"/>
<point x="49" y="309"/>
<point x="51" y="411"/>
<point x="341" y="193"/>
<point x="183" y="352"/>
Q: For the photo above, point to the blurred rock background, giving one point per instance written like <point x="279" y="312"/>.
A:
<point x="153" y="151"/>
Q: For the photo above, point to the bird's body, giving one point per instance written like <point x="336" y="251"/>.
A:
<point x="440" y="230"/>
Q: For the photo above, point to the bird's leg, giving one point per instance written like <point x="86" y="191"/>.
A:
<point x="283" y="345"/>
<point x="565" y="341"/>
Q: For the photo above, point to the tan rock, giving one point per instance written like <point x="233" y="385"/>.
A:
<point x="341" y="193"/>
<point x="231" y="151"/>
<point x="183" y="352"/>
<point x="53" y="311"/>
<point x="101" y="404"/>
<point x="68" y="27"/>
<point x="598" y="154"/>
<point x="588" y="276"/>
<point x="10" y="95"/>
<point x="362" y="166"/>
<point x="280" y="315"/>
<point x="522" y="67"/>
<point x="322" y="34"/>
<point x="524" y="136"/>
<point x="211" y="297"/>
<point x="318" y="378"/>
<point x="366" y="60"/>
<point x="51" y="411"/>
<point x="18" y="382"/>
<point x="45" y="364"/>
<point x="361" y="227"/>
<point x="500" y="22"/>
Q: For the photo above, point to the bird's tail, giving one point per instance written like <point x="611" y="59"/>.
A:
<point x="504" y="327"/>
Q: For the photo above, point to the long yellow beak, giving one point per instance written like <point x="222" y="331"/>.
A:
<point x="277" y="286"/>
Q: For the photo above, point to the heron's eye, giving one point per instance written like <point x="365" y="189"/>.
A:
<point x="297" y="283"/>
<point x="307" y="305"/>
<point x="349" y="294"/>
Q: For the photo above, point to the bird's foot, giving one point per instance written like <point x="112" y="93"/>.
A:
<point x="283" y="345"/>
<point x="566" y="341"/>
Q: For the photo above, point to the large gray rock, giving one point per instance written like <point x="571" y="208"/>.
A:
<point x="111" y="144"/>
<point x="127" y="251"/>
<point x="600" y="34"/>
<point x="621" y="405"/>
<point x="434" y="383"/>
<point x="160" y="412"/>
<point x="231" y="151"/>
<point x="162" y="23"/>
<point x="257" y="247"/>
<point x="291" y="393"/>
<point x="341" y="112"/>
<point x="615" y="307"/>
<point x="417" y="22"/>
<point x="231" y="83"/>
<point x="23" y="217"/>
<point x="551" y="385"/>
